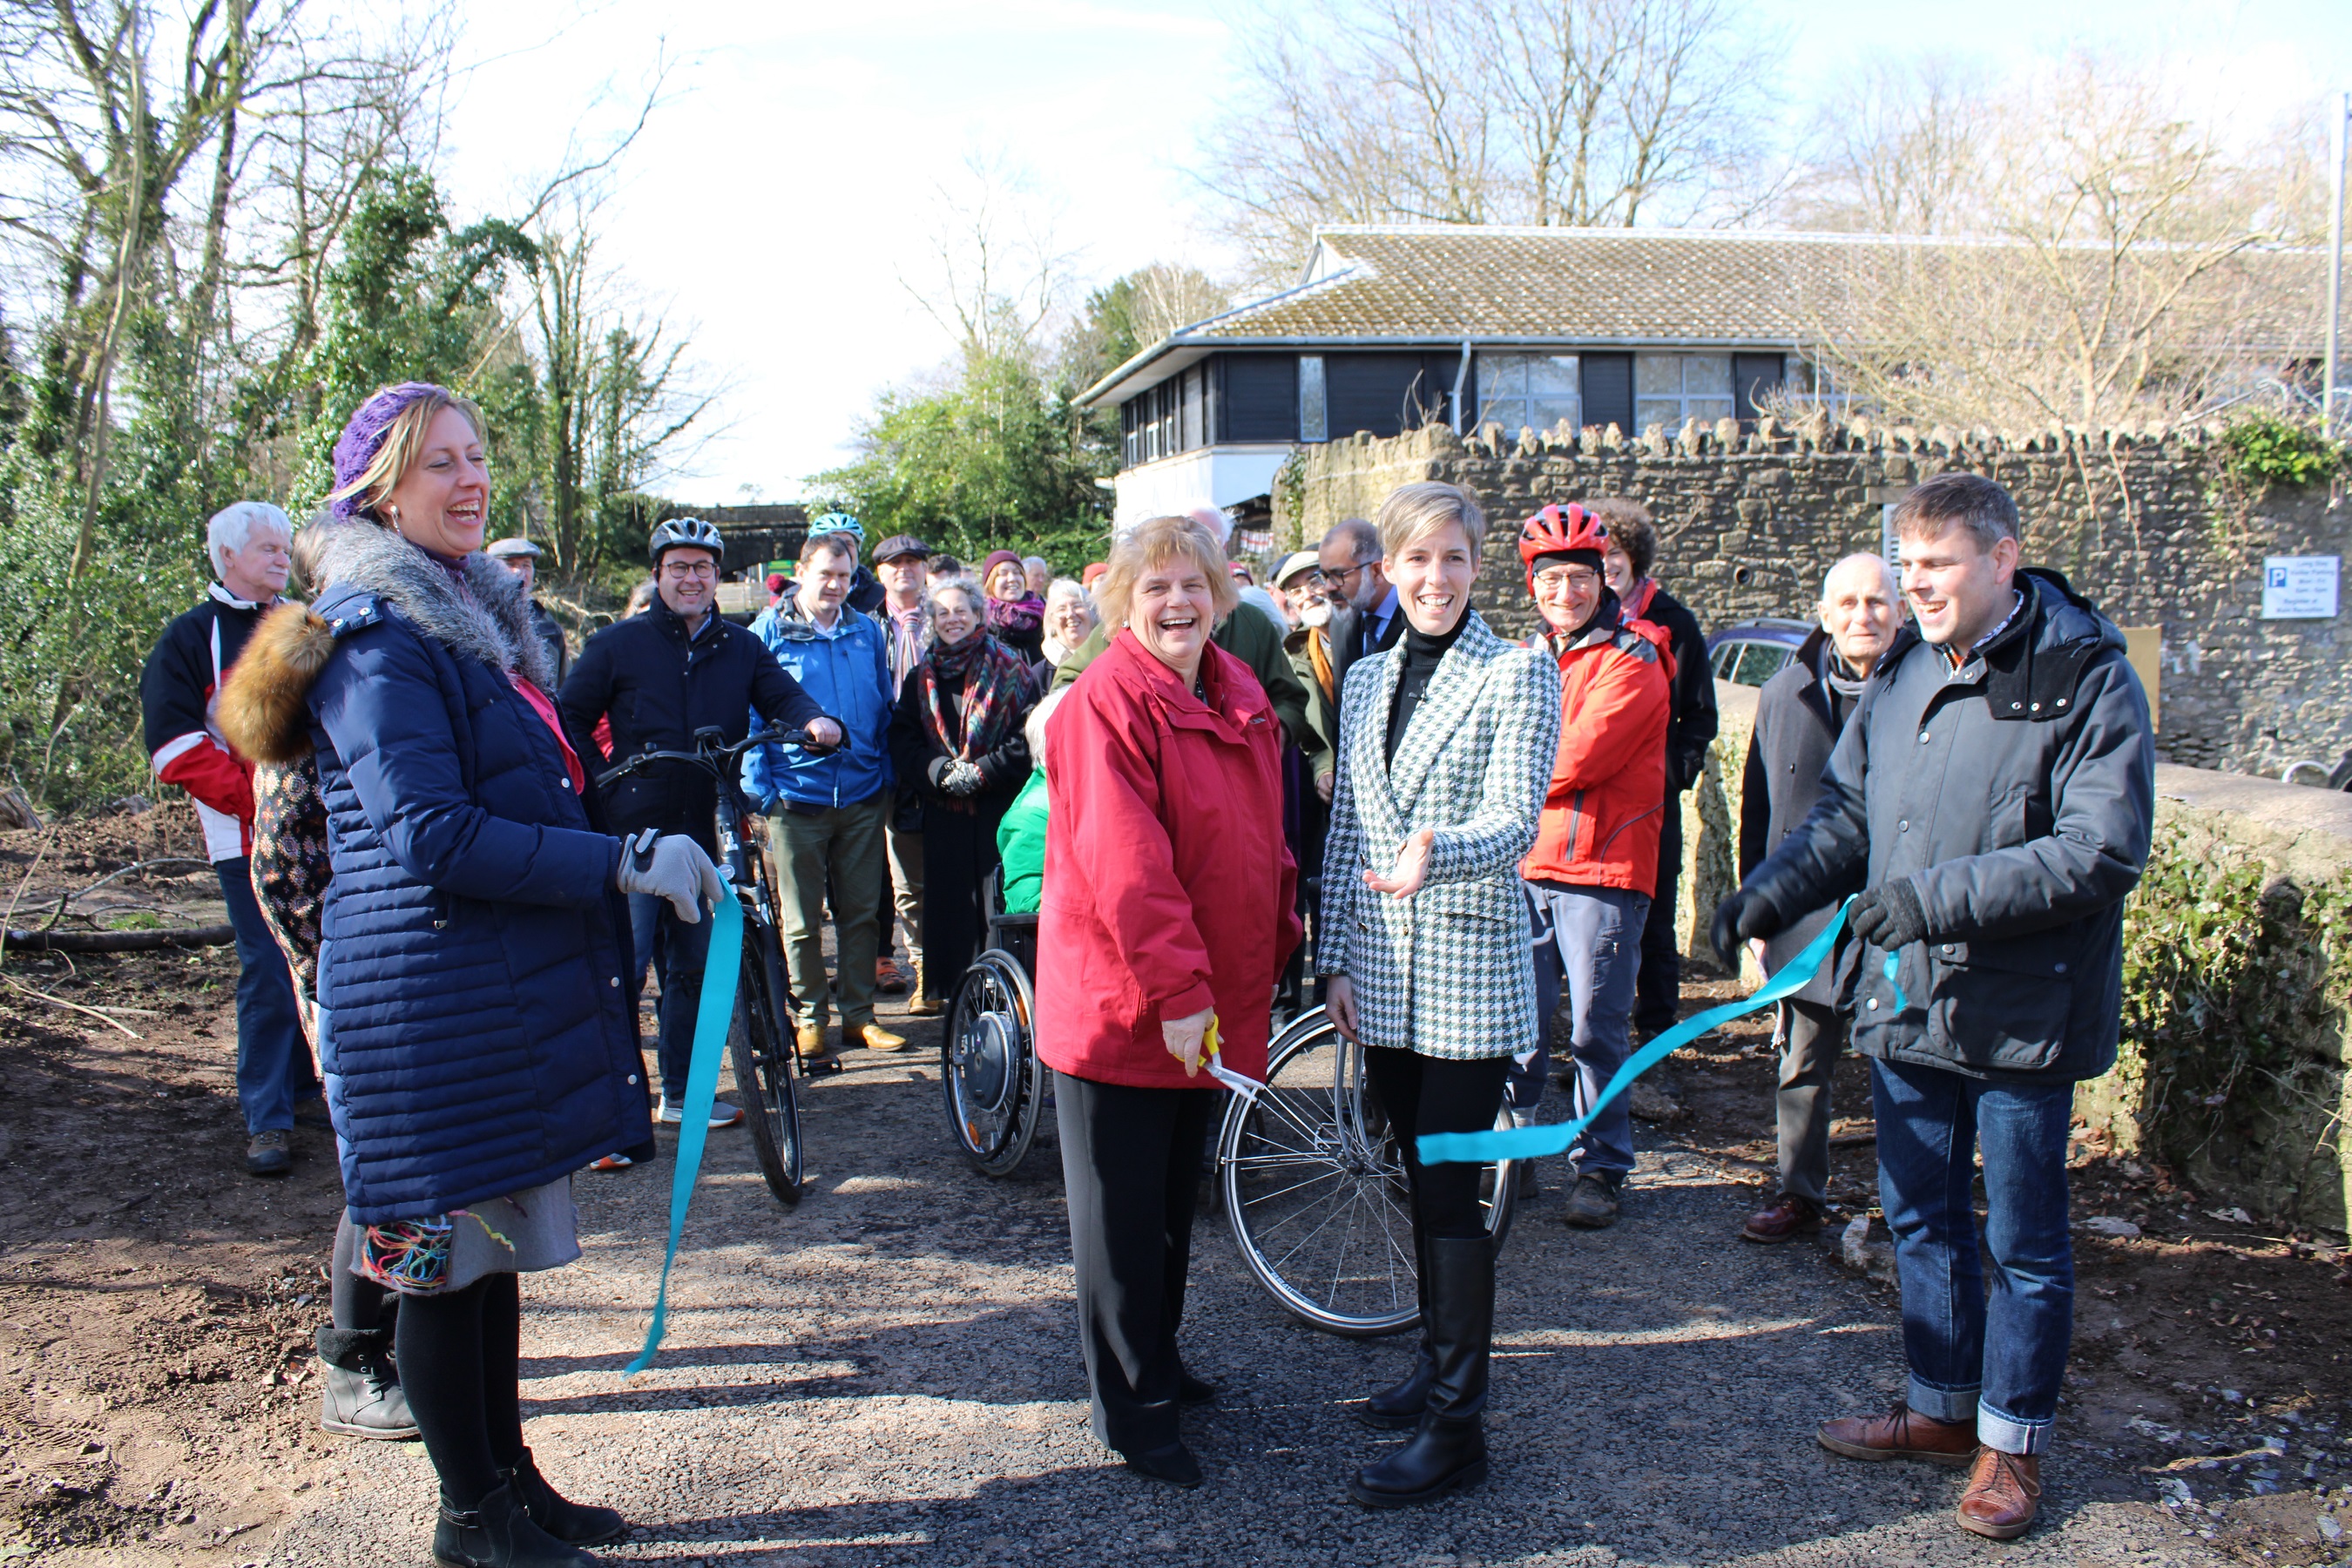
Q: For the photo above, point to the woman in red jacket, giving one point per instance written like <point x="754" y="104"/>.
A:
<point x="1596" y="856"/>
<point x="1167" y="904"/>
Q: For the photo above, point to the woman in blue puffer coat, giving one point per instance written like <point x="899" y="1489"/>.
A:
<point x="473" y="998"/>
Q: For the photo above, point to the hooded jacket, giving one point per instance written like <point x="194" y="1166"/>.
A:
<point x="177" y="688"/>
<point x="1602" y="809"/>
<point x="2016" y="795"/>
<point x="846" y="672"/>
<point x="1167" y="887"/>
<point x="475" y="1022"/>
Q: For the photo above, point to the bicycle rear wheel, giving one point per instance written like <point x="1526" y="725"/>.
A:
<point x="988" y="1071"/>
<point x="759" y="1042"/>
<point x="1313" y="1186"/>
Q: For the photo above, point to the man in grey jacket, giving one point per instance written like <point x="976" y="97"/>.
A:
<point x="1991" y="802"/>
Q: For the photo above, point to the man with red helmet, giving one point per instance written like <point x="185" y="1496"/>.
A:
<point x="1596" y="854"/>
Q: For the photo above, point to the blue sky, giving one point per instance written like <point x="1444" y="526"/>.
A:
<point x="787" y="185"/>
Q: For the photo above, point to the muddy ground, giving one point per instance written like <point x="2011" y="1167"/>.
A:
<point x="887" y="1373"/>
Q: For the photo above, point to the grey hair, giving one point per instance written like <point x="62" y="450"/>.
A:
<point x="962" y="585"/>
<point x="1416" y="511"/>
<point x="1032" y="729"/>
<point x="1363" y="538"/>
<point x="1064" y="588"/>
<point x="1893" y="584"/>
<point x="1029" y="561"/>
<point x="1970" y="500"/>
<point x="232" y="526"/>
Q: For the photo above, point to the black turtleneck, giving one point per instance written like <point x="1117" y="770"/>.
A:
<point x="1421" y="653"/>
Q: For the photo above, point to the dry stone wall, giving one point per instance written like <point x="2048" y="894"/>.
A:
<point x="1749" y="521"/>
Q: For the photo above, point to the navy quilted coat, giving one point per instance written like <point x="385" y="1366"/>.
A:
<point x="476" y="1026"/>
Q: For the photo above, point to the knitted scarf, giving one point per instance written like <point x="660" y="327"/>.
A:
<point x="1026" y="614"/>
<point x="997" y="692"/>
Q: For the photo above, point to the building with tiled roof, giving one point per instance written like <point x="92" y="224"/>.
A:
<point x="1394" y="327"/>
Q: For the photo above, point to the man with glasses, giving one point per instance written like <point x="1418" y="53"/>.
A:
<point x="1365" y="617"/>
<point x="657" y="679"/>
<point x="1596" y="853"/>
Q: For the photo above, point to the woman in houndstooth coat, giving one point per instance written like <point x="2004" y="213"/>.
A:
<point x="1445" y="747"/>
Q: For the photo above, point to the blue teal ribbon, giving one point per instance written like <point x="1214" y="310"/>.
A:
<point x="710" y="1022"/>
<point x="1528" y="1142"/>
<point x="1894" y="962"/>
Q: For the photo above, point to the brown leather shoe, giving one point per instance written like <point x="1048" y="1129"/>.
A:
<point x="888" y="979"/>
<point x="873" y="1036"/>
<point x="2004" y="1494"/>
<point x="1900" y="1433"/>
<point x="808" y="1044"/>
<point x="1789" y="1215"/>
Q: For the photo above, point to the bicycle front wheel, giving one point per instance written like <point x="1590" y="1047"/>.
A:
<point x="1315" y="1187"/>
<point x="760" y="1044"/>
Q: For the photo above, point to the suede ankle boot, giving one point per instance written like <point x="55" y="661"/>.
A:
<point x="498" y="1533"/>
<point x="359" y="1390"/>
<point x="575" y="1525"/>
<point x="1448" y="1448"/>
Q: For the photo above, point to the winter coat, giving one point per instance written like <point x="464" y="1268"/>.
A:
<point x="1797" y="722"/>
<point x="1692" y="727"/>
<point x="550" y="632"/>
<point x="656" y="689"/>
<point x="1020" y="846"/>
<point x="2016" y="796"/>
<point x="1449" y="972"/>
<point x="177" y="688"/>
<point x="475" y="1021"/>
<point x="846" y="672"/>
<point x="1168" y="890"/>
<point x="1250" y="635"/>
<point x="1602" y="810"/>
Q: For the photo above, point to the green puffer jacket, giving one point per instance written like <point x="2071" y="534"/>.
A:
<point x="1020" y="845"/>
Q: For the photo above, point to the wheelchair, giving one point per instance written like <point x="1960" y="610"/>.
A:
<point x="988" y="1071"/>
<point x="1310" y="1174"/>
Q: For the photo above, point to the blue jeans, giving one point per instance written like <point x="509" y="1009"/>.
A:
<point x="273" y="1059"/>
<point x="677" y="952"/>
<point x="1590" y="938"/>
<point x="2002" y="1363"/>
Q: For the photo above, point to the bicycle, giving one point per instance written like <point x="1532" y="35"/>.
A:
<point x="1313" y="1186"/>
<point x="759" y="1035"/>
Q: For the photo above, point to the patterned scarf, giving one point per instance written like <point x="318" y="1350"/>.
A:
<point x="1026" y="614"/>
<point x="997" y="692"/>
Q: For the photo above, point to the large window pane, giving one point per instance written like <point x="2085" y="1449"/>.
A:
<point x="1544" y="413"/>
<point x="1649" y="411"/>
<point x="1657" y="375"/>
<point x="1707" y="410"/>
<point x="1553" y="373"/>
<point x="1312" y="406"/>
<point x="1706" y="376"/>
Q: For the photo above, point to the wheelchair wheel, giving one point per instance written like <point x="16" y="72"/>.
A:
<point x="995" y="1084"/>
<point x="1313" y="1185"/>
<point x="759" y="1042"/>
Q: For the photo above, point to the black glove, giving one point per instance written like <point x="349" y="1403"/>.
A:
<point x="1889" y="917"/>
<point x="1741" y="915"/>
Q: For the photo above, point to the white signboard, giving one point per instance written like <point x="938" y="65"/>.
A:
<point x="2299" y="587"/>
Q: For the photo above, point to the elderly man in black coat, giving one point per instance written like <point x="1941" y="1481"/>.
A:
<point x="1991" y="802"/>
<point x="1798" y="716"/>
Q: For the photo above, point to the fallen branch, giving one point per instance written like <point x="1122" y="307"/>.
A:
<point x="116" y="940"/>
<point x="76" y="1006"/>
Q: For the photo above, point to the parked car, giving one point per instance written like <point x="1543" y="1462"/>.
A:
<point x="1753" y="652"/>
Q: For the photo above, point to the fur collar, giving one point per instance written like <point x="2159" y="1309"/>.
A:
<point x="264" y="703"/>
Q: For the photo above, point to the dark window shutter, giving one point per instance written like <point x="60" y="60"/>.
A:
<point x="1608" y="390"/>
<point x="1261" y="397"/>
<point x="1386" y="394"/>
<point x="1754" y="376"/>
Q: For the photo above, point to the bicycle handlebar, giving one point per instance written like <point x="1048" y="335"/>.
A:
<point x="710" y="758"/>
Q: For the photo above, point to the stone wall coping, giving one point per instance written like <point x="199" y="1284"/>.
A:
<point x="1817" y="432"/>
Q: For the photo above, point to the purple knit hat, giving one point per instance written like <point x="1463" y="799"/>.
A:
<point x="363" y="437"/>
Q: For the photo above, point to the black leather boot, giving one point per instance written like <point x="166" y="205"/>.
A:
<point x="575" y="1525"/>
<point x="359" y="1388"/>
<point x="1399" y="1406"/>
<point x="1448" y="1450"/>
<point x="499" y="1534"/>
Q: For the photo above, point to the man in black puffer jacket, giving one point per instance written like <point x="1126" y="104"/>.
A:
<point x="655" y="679"/>
<point x="1991" y="800"/>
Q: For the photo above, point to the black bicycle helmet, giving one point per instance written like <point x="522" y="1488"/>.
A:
<point x="689" y="531"/>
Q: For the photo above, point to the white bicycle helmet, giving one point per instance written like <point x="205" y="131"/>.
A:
<point x="689" y="531"/>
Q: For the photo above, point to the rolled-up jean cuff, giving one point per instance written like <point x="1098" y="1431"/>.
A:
<point x="1941" y="1404"/>
<point x="2009" y="1435"/>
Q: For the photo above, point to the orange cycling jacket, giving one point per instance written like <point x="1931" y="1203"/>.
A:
<point x="1607" y="799"/>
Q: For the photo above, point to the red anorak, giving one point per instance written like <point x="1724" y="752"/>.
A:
<point x="1607" y="801"/>
<point x="1168" y="888"/>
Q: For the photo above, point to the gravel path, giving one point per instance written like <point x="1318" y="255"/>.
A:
<point x="889" y="1374"/>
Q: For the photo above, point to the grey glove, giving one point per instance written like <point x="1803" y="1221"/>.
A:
<point x="1890" y="916"/>
<point x="962" y="777"/>
<point x="670" y="866"/>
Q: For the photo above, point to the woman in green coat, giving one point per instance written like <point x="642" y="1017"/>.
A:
<point x="1021" y="836"/>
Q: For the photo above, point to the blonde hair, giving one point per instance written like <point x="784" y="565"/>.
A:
<point x="403" y="438"/>
<point x="1414" y="512"/>
<point x="1153" y="544"/>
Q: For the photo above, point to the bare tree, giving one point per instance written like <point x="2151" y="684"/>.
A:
<point x="1553" y="112"/>
<point x="997" y="278"/>
<point x="1170" y="297"/>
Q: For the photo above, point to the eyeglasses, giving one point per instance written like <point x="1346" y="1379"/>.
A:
<point x="680" y="569"/>
<point x="1553" y="582"/>
<point x="1344" y="573"/>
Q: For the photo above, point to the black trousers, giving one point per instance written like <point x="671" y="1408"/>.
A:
<point x="1131" y="1172"/>
<point x="1658" y="989"/>
<point x="1434" y="1094"/>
